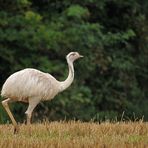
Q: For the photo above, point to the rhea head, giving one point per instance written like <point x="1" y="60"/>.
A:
<point x="72" y="56"/>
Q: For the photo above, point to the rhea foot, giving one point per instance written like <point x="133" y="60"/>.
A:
<point x="16" y="129"/>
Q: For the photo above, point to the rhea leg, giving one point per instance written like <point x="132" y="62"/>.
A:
<point x="5" y="105"/>
<point x="32" y="104"/>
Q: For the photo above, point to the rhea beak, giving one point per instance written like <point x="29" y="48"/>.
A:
<point x="80" y="56"/>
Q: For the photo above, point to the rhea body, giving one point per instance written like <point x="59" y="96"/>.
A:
<point x="32" y="86"/>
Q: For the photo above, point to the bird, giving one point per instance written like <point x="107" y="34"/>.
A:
<point x="33" y="86"/>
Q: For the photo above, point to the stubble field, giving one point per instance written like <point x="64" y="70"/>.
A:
<point x="74" y="134"/>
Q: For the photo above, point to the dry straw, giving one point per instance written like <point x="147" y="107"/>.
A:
<point x="74" y="134"/>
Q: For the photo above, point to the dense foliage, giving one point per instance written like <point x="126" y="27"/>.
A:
<point x="113" y="37"/>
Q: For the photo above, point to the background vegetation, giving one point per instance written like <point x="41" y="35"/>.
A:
<point x="111" y="34"/>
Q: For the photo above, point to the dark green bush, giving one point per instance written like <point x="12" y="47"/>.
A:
<point x="112" y="36"/>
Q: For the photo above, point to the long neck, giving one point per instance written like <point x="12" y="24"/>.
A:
<point x="65" y="84"/>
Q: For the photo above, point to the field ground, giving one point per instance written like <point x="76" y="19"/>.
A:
<point x="76" y="135"/>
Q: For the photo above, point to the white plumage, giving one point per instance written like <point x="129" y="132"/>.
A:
<point x="29" y="82"/>
<point x="32" y="86"/>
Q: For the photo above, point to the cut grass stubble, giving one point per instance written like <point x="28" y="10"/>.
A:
<point x="75" y="134"/>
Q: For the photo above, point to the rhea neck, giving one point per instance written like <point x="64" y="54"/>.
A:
<point x="65" y="84"/>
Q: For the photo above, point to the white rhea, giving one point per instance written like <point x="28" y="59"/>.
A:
<point x="32" y="86"/>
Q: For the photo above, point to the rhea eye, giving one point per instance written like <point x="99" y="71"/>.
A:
<point x="73" y="54"/>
